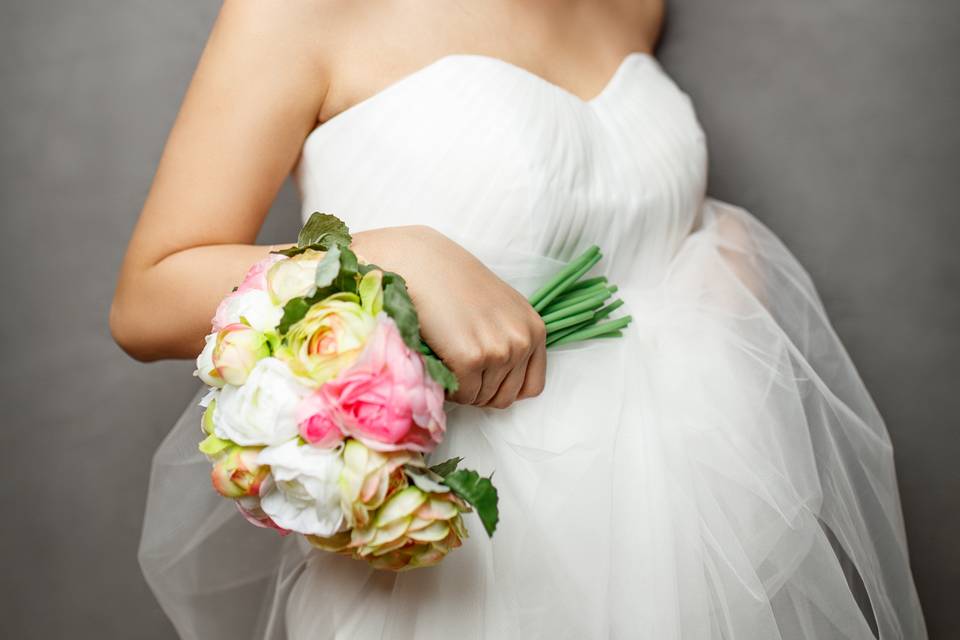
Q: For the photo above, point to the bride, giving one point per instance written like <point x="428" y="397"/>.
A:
<point x="718" y="472"/>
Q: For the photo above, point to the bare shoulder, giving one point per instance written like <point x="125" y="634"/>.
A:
<point x="298" y="20"/>
<point x="298" y="16"/>
<point x="304" y="32"/>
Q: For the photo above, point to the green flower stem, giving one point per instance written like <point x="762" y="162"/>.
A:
<point x="577" y="295"/>
<point x="563" y="302"/>
<point x="569" y="280"/>
<point x="594" y="331"/>
<point x="608" y="334"/>
<point x="597" y="315"/>
<point x="553" y="337"/>
<point x="590" y="304"/>
<point x="607" y="310"/>
<point x="569" y="321"/>
<point x="589" y="291"/>
<point x="563" y="275"/>
<point x="571" y="309"/>
<point x="589" y="282"/>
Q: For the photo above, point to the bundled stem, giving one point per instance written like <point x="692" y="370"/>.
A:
<point x="572" y="308"/>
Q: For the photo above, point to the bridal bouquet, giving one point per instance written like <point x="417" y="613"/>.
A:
<point x="325" y="400"/>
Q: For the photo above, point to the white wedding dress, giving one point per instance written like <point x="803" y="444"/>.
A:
<point x="718" y="472"/>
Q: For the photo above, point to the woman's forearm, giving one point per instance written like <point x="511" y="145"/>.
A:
<point x="480" y="326"/>
<point x="164" y="310"/>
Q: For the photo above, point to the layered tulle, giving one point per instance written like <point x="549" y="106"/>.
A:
<point x="719" y="472"/>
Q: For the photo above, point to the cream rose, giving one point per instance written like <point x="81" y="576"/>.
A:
<point x="328" y="338"/>
<point x="295" y="277"/>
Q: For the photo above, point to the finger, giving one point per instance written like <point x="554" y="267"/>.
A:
<point x="535" y="377"/>
<point x="493" y="377"/>
<point x="469" y="387"/>
<point x="510" y="387"/>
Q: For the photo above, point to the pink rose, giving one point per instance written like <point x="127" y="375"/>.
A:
<point x="250" y="301"/>
<point x="317" y="424"/>
<point x="256" y="277"/>
<point x="386" y="399"/>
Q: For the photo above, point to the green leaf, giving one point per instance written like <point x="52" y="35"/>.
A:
<point x="324" y="229"/>
<point x="391" y="276"/>
<point x="366" y="267"/>
<point x="293" y="312"/>
<point x="295" y="251"/>
<point x="328" y="267"/>
<point x="346" y="280"/>
<point x="439" y="372"/>
<point x="397" y="304"/>
<point x="479" y="492"/>
<point x="212" y="445"/>
<point x="446" y="467"/>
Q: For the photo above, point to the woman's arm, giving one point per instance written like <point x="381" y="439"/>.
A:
<point x="254" y="97"/>
<point x="252" y="100"/>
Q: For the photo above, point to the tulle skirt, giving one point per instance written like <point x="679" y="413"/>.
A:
<point x="718" y="472"/>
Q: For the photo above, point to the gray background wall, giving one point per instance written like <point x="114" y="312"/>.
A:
<point x="834" y="122"/>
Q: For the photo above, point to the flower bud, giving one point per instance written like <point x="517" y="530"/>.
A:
<point x="238" y="348"/>
<point x="205" y="369"/>
<point x="236" y="472"/>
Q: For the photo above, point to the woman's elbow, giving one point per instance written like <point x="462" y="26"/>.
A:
<point x="126" y="332"/>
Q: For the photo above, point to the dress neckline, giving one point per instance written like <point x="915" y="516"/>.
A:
<point x="449" y="58"/>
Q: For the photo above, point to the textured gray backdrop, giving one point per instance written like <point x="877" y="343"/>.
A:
<point x="834" y="122"/>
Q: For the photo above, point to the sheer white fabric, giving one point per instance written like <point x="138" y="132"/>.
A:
<point x="719" y="472"/>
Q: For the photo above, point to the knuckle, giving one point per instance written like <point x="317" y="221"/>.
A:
<point x="522" y="343"/>
<point x="519" y="341"/>
<point x="468" y="360"/>
<point x="538" y="332"/>
<point x="498" y="354"/>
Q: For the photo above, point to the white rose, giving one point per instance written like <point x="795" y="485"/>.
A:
<point x="305" y="494"/>
<point x="295" y="277"/>
<point x="262" y="410"/>
<point x="205" y="369"/>
<point x="253" y="306"/>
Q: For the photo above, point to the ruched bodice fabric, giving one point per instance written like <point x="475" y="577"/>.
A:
<point x="500" y="154"/>
<point x="719" y="472"/>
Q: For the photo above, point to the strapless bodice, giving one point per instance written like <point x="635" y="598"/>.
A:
<point x="488" y="152"/>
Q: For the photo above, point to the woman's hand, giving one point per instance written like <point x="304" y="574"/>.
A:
<point x="481" y="327"/>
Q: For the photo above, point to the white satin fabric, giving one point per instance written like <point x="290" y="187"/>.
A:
<point x="719" y="472"/>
